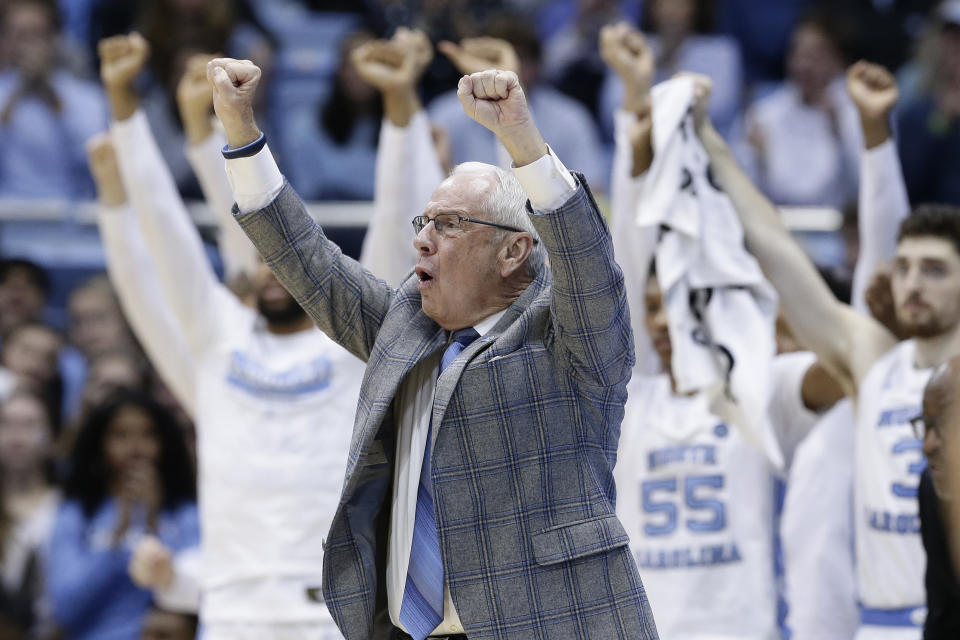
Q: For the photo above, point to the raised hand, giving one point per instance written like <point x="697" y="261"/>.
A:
<point x="151" y="565"/>
<point x="195" y="98"/>
<point x="106" y="173"/>
<point x="394" y="67"/>
<point x="495" y="99"/>
<point x="391" y="65"/>
<point x="122" y="58"/>
<point x="874" y="91"/>
<point x="234" y="89"/>
<point x="702" y="89"/>
<point x="473" y="55"/>
<point x="625" y="50"/>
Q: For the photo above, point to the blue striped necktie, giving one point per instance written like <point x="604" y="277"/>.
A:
<point x="422" y="607"/>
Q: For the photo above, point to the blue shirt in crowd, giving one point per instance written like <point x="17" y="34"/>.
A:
<point x="92" y="595"/>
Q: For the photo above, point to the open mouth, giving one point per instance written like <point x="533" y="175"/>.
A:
<point x="423" y="275"/>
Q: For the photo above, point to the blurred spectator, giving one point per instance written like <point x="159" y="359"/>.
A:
<point x="929" y="128"/>
<point x="46" y="113"/>
<point x="763" y="30"/>
<point x="167" y="625"/>
<point x="96" y="323"/>
<point x="571" y="61"/>
<point x="130" y="476"/>
<point x="331" y="153"/>
<point x="109" y="372"/>
<point x="24" y="288"/>
<point x="30" y="352"/>
<point x="887" y="29"/>
<point x="803" y="141"/>
<point x="679" y="35"/>
<point x="95" y="326"/>
<point x="27" y="507"/>
<point x="568" y="126"/>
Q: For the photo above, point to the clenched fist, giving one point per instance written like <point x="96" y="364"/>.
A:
<point x="195" y="98"/>
<point x="234" y="88"/>
<point x="626" y="51"/>
<point x="495" y="99"/>
<point x="874" y="90"/>
<point x="395" y="64"/>
<point x="122" y="58"/>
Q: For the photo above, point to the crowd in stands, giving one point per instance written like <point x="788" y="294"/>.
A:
<point x="98" y="446"/>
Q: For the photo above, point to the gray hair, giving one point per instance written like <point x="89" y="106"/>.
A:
<point x="507" y="204"/>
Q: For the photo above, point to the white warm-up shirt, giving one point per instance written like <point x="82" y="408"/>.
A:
<point x="698" y="503"/>
<point x="274" y="413"/>
<point x="817" y="524"/>
<point x="889" y="460"/>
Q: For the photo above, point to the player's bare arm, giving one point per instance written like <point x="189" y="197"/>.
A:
<point x="846" y="342"/>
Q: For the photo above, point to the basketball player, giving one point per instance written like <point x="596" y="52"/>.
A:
<point x="885" y="377"/>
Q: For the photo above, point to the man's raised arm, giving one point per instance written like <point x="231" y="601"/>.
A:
<point x="627" y="53"/>
<point x="882" y="201"/>
<point x="346" y="301"/>
<point x="846" y="342"/>
<point x="588" y="298"/>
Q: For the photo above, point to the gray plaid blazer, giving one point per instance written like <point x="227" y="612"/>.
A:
<point x="529" y="418"/>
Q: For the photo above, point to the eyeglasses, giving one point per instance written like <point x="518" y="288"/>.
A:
<point x="445" y="223"/>
<point x="921" y="424"/>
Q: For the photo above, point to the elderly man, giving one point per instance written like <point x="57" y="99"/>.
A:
<point x="478" y="500"/>
<point x="936" y="500"/>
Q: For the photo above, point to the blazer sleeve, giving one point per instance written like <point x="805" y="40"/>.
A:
<point x="588" y="299"/>
<point x="346" y="301"/>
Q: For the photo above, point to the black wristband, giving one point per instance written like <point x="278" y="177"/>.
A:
<point x="246" y="150"/>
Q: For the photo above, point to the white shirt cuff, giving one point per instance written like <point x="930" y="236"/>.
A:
<point x="255" y="180"/>
<point x="546" y="182"/>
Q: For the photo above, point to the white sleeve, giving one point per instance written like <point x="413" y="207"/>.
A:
<point x="632" y="245"/>
<point x="189" y="285"/>
<point x="547" y="183"/>
<point x="789" y="416"/>
<point x="183" y="596"/>
<point x="256" y="180"/>
<point x="133" y="276"/>
<point x="407" y="173"/>
<point x="883" y="205"/>
<point x="239" y="255"/>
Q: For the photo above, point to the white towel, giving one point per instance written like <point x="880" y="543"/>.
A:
<point x="721" y="311"/>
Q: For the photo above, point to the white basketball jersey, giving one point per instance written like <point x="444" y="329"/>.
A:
<point x="697" y="501"/>
<point x="889" y="460"/>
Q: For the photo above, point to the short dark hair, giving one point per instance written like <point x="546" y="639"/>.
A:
<point x="933" y="220"/>
<point x="89" y="474"/>
<point x="35" y="273"/>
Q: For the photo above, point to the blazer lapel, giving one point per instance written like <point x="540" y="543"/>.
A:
<point x="447" y="383"/>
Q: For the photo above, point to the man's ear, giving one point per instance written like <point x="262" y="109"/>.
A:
<point x="514" y="253"/>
